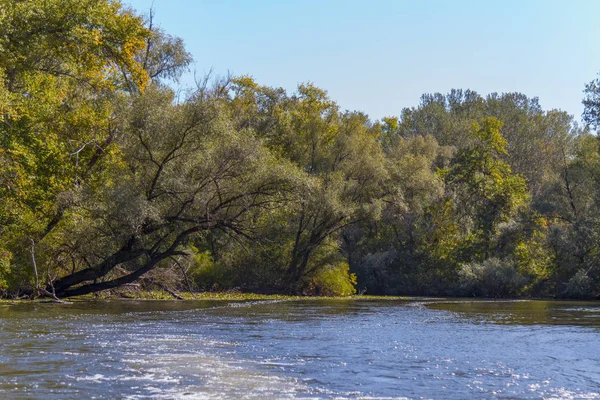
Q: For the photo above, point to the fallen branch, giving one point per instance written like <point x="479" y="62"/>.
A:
<point x="171" y="292"/>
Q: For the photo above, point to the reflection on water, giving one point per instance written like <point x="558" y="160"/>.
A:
<point x="520" y="312"/>
<point x="439" y="349"/>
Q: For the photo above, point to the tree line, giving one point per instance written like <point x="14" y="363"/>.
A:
<point x="109" y="176"/>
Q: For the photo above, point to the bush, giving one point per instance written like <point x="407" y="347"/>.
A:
<point x="204" y="273"/>
<point x="332" y="280"/>
<point x="579" y="286"/>
<point x="492" y="278"/>
<point x="376" y="272"/>
<point x="4" y="269"/>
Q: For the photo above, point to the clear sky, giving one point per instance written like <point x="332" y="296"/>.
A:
<point x="379" y="56"/>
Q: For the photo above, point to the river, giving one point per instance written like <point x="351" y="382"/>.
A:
<point x="332" y="349"/>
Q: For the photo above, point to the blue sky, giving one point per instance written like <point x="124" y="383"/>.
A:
<point x="379" y="56"/>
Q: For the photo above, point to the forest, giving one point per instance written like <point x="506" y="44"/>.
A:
<point x="109" y="176"/>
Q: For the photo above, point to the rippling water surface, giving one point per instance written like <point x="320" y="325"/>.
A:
<point x="426" y="349"/>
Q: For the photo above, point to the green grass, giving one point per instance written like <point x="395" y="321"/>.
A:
<point x="231" y="296"/>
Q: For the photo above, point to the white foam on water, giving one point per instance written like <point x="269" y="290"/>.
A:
<point x="197" y="375"/>
<point x="564" y="394"/>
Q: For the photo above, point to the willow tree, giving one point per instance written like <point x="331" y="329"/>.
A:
<point x="184" y="172"/>
<point x="344" y="167"/>
<point x="388" y="254"/>
<point x="66" y="68"/>
<point x="339" y="160"/>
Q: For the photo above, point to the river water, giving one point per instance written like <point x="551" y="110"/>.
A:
<point x="334" y="349"/>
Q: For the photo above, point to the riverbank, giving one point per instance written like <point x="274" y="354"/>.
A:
<point x="127" y="294"/>
<point x="164" y="295"/>
<point x="134" y="293"/>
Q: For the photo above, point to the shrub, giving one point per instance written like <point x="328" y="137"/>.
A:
<point x="579" y="286"/>
<point x="205" y="274"/>
<point x="492" y="278"/>
<point x="4" y="269"/>
<point x="332" y="280"/>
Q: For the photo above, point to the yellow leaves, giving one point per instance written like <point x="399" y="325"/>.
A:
<point x="62" y="84"/>
<point x="96" y="37"/>
<point x="129" y="51"/>
<point x="245" y="82"/>
<point x="390" y="123"/>
<point x="531" y="253"/>
<point x="333" y="280"/>
<point x="543" y="222"/>
<point x="81" y="37"/>
<point x="489" y="134"/>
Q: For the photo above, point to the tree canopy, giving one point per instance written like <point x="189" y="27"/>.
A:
<point x="107" y="176"/>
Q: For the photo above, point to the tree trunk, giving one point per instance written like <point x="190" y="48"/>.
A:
<point x="297" y="269"/>
<point x="98" y="271"/>
<point x="96" y="287"/>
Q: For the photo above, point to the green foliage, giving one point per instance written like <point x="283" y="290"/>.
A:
<point x="483" y="188"/>
<point x="5" y="269"/>
<point x="107" y="177"/>
<point x="591" y="103"/>
<point x="532" y="257"/>
<point x="332" y="280"/>
<point x="580" y="286"/>
<point x="204" y="273"/>
<point x="491" y="278"/>
<point x="65" y="66"/>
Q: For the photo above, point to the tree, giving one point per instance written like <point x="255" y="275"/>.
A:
<point x="573" y="210"/>
<point x="69" y="68"/>
<point x="184" y="172"/>
<point x="591" y="103"/>
<point x="341" y="165"/>
<point x="482" y="188"/>
<point x="388" y="254"/>
<point x="64" y="65"/>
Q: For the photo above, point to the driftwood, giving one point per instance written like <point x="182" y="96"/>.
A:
<point x="171" y="292"/>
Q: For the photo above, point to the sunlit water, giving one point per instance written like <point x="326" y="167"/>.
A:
<point x="438" y="349"/>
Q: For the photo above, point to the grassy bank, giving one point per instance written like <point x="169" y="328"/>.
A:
<point x="125" y="294"/>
